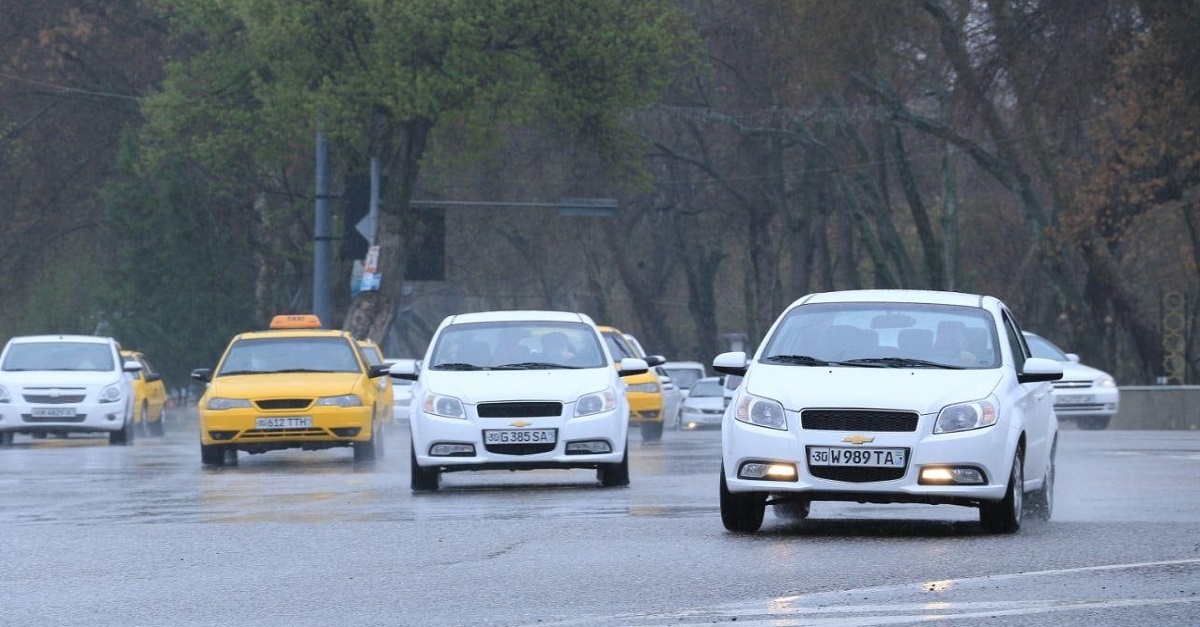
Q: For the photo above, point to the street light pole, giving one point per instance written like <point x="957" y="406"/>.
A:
<point x="322" y="302"/>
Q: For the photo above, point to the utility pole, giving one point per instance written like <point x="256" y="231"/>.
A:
<point x="322" y="306"/>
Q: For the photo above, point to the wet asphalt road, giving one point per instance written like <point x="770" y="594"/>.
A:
<point x="142" y="535"/>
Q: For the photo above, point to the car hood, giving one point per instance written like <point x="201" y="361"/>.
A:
<point x="923" y="390"/>
<point x="303" y="384"/>
<point x="473" y="387"/>
<point x="56" y="378"/>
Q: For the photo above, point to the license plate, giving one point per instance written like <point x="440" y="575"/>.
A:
<point x="284" y="422"/>
<point x="53" y="412"/>
<point x="520" y="436"/>
<point x="1072" y="399"/>
<point x="863" y="457"/>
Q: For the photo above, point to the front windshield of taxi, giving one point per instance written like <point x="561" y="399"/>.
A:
<point x="289" y="354"/>
<point x="517" y="345"/>
<point x="70" y="356"/>
<point x="618" y="346"/>
<point x="885" y="335"/>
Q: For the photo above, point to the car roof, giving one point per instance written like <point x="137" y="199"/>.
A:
<point x="251" y="335"/>
<point x="935" y="297"/>
<point x="519" y="315"/>
<point x="96" y="339"/>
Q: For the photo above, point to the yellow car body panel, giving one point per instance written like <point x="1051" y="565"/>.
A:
<point x="387" y="396"/>
<point x="263" y="396"/>
<point x="643" y="391"/>
<point x="149" y="391"/>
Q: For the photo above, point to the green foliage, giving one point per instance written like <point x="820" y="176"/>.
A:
<point x="187" y="272"/>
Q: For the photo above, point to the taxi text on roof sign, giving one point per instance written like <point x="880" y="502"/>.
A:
<point x="296" y="321"/>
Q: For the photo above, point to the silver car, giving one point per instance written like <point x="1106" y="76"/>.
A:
<point x="703" y="406"/>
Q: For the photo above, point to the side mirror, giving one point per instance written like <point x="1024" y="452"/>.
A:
<point x="203" y="375"/>
<point x="731" y="363"/>
<point x="407" y="369"/>
<point x="1073" y="357"/>
<point x="1040" y="369"/>
<point x="630" y="366"/>
<point x="655" y="360"/>
<point x="153" y="376"/>
<point x="131" y="365"/>
<point x="378" y="370"/>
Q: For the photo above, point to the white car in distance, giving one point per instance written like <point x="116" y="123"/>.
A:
<point x="518" y="390"/>
<point x="890" y="396"/>
<point x="1087" y="396"/>
<point x="63" y="384"/>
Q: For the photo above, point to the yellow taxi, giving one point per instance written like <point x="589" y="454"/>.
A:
<point x="295" y="385"/>
<point x="387" y="397"/>
<point x="149" y="395"/>
<point x="643" y="391"/>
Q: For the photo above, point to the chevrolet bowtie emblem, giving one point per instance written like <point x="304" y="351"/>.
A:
<point x="519" y="423"/>
<point x="858" y="439"/>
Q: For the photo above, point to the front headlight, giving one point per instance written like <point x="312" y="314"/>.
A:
<point x="345" y="400"/>
<point x="218" y="403"/>
<point x="1105" y="382"/>
<point x="966" y="416"/>
<point x="596" y="402"/>
<point x="446" y="406"/>
<point x="111" y="394"/>
<point x="763" y="412"/>
<point x="646" y="388"/>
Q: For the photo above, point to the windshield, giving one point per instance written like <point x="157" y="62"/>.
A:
<point x="290" y="354"/>
<point x="517" y="345"/>
<point x="81" y="356"/>
<point x="1041" y="347"/>
<point x="685" y="378"/>
<point x="707" y="388"/>
<point x="885" y="335"/>
<point x="618" y="346"/>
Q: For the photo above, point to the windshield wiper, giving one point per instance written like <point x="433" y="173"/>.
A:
<point x="290" y="370"/>
<point x="899" y="362"/>
<point x="234" y="372"/>
<point x="454" y="365"/>
<point x="534" y="365"/>
<point x="799" y="360"/>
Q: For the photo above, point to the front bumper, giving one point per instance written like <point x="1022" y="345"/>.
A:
<point x="239" y="427"/>
<point x="645" y="407"/>
<point x="988" y="450"/>
<point x="88" y="417"/>
<point x="1093" y="401"/>
<point x="429" y="431"/>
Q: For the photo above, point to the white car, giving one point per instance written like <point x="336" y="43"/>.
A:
<point x="402" y="393"/>
<point x="890" y="396"/>
<point x="518" y="390"/>
<point x="64" y="384"/>
<point x="703" y="406"/>
<point x="1085" y="395"/>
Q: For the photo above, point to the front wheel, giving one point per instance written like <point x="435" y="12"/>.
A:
<point x="123" y="436"/>
<point x="1005" y="516"/>
<point x="652" y="431"/>
<point x="158" y="428"/>
<point x="212" y="454"/>
<point x="6" y="438"/>
<point x="615" y="475"/>
<point x="742" y="513"/>
<point x="423" y="480"/>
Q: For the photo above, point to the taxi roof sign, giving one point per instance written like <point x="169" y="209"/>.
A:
<point x="296" y="321"/>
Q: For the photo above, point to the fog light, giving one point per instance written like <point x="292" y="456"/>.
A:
<point x="588" y="446"/>
<point x="770" y="471"/>
<point x="452" y="450"/>
<point x="942" y="475"/>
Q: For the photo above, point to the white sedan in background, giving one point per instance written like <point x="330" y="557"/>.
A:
<point x="1085" y="395"/>
<point x="890" y="396"/>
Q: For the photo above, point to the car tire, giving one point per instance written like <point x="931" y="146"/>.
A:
<point x="364" y="452"/>
<point x="143" y="422"/>
<point x="158" y="428"/>
<point x="742" y="513"/>
<point x="123" y="436"/>
<point x="1040" y="503"/>
<point x="652" y="431"/>
<point x="1005" y="516"/>
<point x="6" y="438"/>
<point x="423" y="480"/>
<point x="1093" y="423"/>
<point x="615" y="475"/>
<point x="792" y="510"/>
<point x="212" y="454"/>
<point x="38" y="435"/>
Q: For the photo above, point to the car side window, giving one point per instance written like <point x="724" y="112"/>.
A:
<point x="1016" y="342"/>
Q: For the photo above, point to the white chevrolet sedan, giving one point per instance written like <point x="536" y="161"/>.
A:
<point x="890" y="396"/>
<point x="518" y="390"/>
